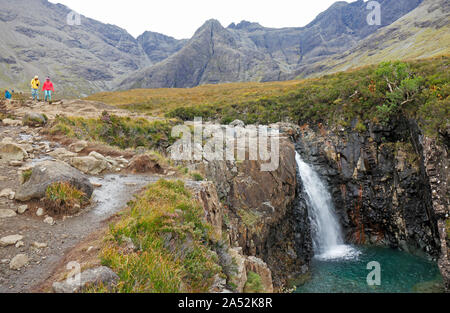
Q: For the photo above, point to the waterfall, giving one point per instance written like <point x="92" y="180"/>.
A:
<point x="328" y="240"/>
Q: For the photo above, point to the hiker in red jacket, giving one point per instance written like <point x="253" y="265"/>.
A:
<point x="48" y="89"/>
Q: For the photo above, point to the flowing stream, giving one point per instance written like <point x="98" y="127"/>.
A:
<point x="338" y="268"/>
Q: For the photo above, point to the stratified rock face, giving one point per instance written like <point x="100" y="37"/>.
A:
<point x="48" y="172"/>
<point x="379" y="184"/>
<point x="235" y="265"/>
<point x="261" y="214"/>
<point x="436" y="164"/>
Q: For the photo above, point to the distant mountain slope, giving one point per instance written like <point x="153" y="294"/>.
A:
<point x="159" y="47"/>
<point x="83" y="59"/>
<point x="213" y="55"/>
<point x="423" y="33"/>
<point x="250" y="52"/>
<point x="36" y="39"/>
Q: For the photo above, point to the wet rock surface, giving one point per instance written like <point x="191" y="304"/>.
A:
<point x="389" y="184"/>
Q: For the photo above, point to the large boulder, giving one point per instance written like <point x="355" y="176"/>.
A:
<point x="90" y="164"/>
<point x="101" y="275"/>
<point x="11" y="152"/>
<point x="48" y="172"/>
<point x="34" y="119"/>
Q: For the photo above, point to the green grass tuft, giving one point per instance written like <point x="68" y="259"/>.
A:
<point x="174" y="252"/>
<point x="254" y="283"/>
<point x="122" y="132"/>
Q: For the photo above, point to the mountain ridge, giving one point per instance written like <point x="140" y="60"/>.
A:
<point x="95" y="57"/>
<point x="257" y="53"/>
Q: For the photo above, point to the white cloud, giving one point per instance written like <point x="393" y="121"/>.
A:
<point x="181" y="18"/>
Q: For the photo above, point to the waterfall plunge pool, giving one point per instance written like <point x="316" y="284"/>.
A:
<point x="401" y="272"/>
<point x="341" y="268"/>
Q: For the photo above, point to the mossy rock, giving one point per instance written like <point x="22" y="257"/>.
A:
<point x="34" y="120"/>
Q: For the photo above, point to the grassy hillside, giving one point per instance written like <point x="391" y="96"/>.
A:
<point x="422" y="33"/>
<point x="416" y="89"/>
<point x="163" y="100"/>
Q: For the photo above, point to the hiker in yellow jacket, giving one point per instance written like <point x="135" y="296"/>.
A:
<point x="35" y="83"/>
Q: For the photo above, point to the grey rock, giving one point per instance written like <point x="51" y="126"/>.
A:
<point x="5" y="213"/>
<point x="22" y="209"/>
<point x="237" y="123"/>
<point x="39" y="245"/>
<point x="18" y="262"/>
<point x="48" y="172"/>
<point x="159" y="47"/>
<point x="40" y="212"/>
<point x="7" y="193"/>
<point x="10" y="240"/>
<point x="34" y="119"/>
<point x="103" y="275"/>
<point x="101" y="56"/>
<point x="94" y="54"/>
<point x="11" y="152"/>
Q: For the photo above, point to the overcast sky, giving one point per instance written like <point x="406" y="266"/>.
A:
<point x="181" y="18"/>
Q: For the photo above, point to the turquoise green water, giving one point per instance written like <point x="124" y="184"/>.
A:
<point x="400" y="272"/>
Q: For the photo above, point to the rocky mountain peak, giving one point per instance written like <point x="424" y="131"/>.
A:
<point x="245" y="25"/>
<point x="211" y="25"/>
<point x="101" y="56"/>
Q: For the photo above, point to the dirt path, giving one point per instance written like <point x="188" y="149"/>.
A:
<point x="63" y="235"/>
<point x="111" y="195"/>
<point x="77" y="108"/>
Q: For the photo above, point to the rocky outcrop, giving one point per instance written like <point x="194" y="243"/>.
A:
<point x="377" y="185"/>
<point x="436" y="164"/>
<point x="234" y="263"/>
<point x="260" y="212"/>
<point x="48" y="172"/>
